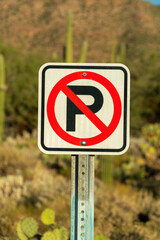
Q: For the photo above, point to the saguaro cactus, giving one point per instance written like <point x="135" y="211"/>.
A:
<point x="69" y="43"/>
<point x="2" y="94"/>
<point x="83" y="52"/>
<point x="113" y="50"/>
<point x="69" y="47"/>
<point x="107" y="165"/>
<point x="118" y="56"/>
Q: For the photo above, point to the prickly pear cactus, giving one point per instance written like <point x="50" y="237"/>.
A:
<point x="29" y="227"/>
<point x="48" y="236"/>
<point x="48" y="216"/>
<point x="20" y="232"/>
<point x="101" y="237"/>
<point x="61" y="234"/>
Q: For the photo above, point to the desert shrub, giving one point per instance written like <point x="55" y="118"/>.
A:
<point x="123" y="234"/>
<point x="20" y="155"/>
<point x="145" y="88"/>
<point x="15" y="161"/>
<point x="37" y="186"/>
<point x="140" y="166"/>
<point x="22" y="85"/>
<point x="6" y="226"/>
<point x="37" y="192"/>
<point x="126" y="213"/>
<point x="119" y="211"/>
<point x="62" y="163"/>
<point x="18" y="159"/>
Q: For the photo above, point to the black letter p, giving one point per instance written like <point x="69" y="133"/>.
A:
<point x="72" y="109"/>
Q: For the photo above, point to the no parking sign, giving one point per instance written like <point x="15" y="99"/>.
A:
<point x="83" y="108"/>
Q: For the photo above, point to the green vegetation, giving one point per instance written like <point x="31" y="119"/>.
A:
<point x="140" y="165"/>
<point x="145" y="88"/>
<point x="28" y="228"/>
<point x="69" y="48"/>
<point x="48" y="216"/>
<point x="82" y="58"/>
<point x="106" y="167"/>
<point x="2" y="95"/>
<point x="48" y="235"/>
<point x="22" y="84"/>
<point x="20" y="233"/>
<point x="57" y="234"/>
<point x="101" y="237"/>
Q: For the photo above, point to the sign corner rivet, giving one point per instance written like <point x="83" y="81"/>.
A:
<point x="83" y="142"/>
<point x="84" y="74"/>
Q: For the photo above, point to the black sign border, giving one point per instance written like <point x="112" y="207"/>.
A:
<point x="94" y="67"/>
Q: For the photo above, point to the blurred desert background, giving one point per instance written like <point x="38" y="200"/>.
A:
<point x="127" y="187"/>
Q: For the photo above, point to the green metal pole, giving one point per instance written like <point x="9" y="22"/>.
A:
<point x="82" y="197"/>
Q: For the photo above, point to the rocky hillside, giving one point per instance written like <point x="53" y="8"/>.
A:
<point x="41" y="25"/>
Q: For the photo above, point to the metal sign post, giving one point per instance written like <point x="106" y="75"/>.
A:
<point x="82" y="197"/>
<point x="83" y="109"/>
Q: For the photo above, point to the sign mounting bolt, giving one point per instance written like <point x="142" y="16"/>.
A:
<point x="83" y="142"/>
<point x="84" y="74"/>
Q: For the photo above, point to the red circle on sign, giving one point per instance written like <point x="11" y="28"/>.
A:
<point x="62" y="86"/>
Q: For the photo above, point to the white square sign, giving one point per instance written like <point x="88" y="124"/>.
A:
<point x="83" y="108"/>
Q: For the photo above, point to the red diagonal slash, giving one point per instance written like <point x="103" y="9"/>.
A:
<point x="80" y="104"/>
